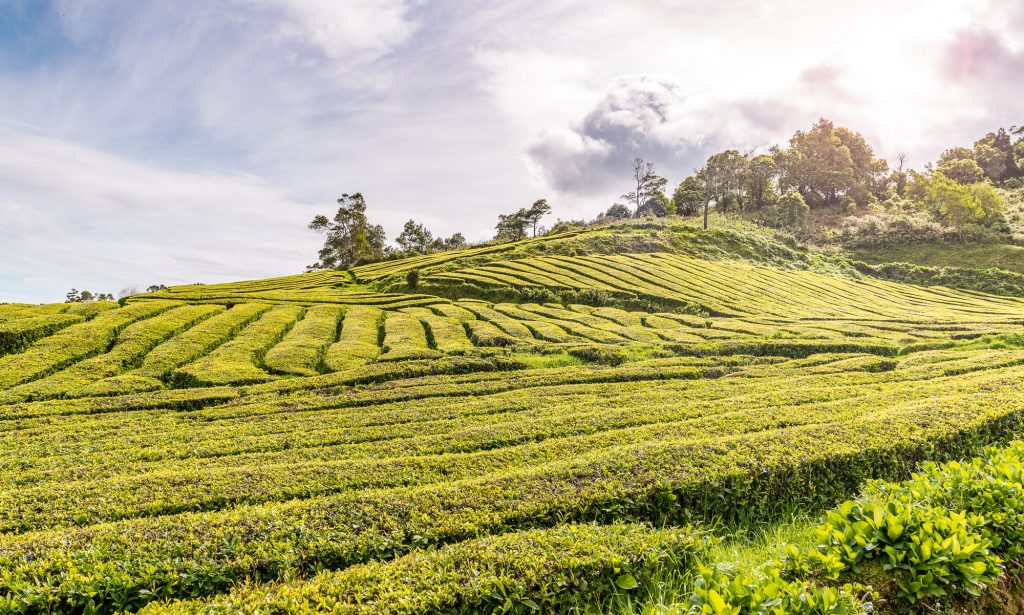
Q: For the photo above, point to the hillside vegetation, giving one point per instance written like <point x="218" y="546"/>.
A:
<point x="590" y="421"/>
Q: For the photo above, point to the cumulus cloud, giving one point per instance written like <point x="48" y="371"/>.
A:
<point x="649" y="117"/>
<point x="146" y="114"/>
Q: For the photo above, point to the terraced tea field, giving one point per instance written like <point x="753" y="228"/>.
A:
<point x="531" y="428"/>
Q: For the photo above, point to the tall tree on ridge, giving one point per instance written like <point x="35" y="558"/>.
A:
<point x="512" y="227"/>
<point x="538" y="210"/>
<point x="351" y="239"/>
<point x="647" y="184"/>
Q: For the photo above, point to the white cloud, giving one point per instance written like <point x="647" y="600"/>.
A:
<point x="74" y="216"/>
<point x="154" y="116"/>
<point x="340" y="27"/>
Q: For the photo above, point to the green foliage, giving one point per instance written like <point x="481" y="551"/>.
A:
<point x="512" y="227"/>
<point x="723" y="179"/>
<point x="769" y="592"/>
<point x="128" y="349"/>
<point x="942" y="534"/>
<point x="17" y="334"/>
<point x="618" y="211"/>
<point x="415" y="239"/>
<point x="962" y="205"/>
<point x="198" y="341"/>
<point x="86" y="296"/>
<point x="301" y="352"/>
<point x="524" y="572"/>
<point x="437" y="454"/>
<point x="689" y="197"/>
<point x="404" y="338"/>
<point x="647" y="186"/>
<point x="358" y="341"/>
<point x="928" y="550"/>
<point x="350" y="238"/>
<point x="963" y="171"/>
<point x="995" y="281"/>
<point x="237" y="361"/>
<point x="74" y="343"/>
<point x="827" y="162"/>
<point x="412" y="278"/>
<point x="793" y="211"/>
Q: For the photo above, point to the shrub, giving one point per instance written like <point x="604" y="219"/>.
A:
<point x="891" y="229"/>
<point x="717" y="593"/>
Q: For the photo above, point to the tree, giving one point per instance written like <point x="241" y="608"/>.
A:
<point x="759" y="180"/>
<point x="512" y="227"/>
<point x="565" y="226"/>
<point x="792" y="209"/>
<point x="350" y="238"/>
<point x="955" y="153"/>
<point x="992" y="205"/>
<point x="999" y="162"/>
<point x="1018" y="149"/>
<point x="962" y="170"/>
<point x="657" y="205"/>
<point x="952" y="201"/>
<point x="538" y="210"/>
<point x="828" y="162"/>
<point x="455" y="242"/>
<point x="991" y="161"/>
<point x="646" y="184"/>
<point x="86" y="296"/>
<point x="724" y="176"/>
<point x="690" y="196"/>
<point x="617" y="211"/>
<point x="899" y="176"/>
<point x="155" y="287"/>
<point x="415" y="239"/>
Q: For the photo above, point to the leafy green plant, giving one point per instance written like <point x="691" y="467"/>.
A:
<point x="769" y="592"/>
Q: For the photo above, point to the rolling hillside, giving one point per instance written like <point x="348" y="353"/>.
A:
<point x="542" y="425"/>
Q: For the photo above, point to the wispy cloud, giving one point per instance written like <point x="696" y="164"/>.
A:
<point x="189" y="141"/>
<point x="74" y="216"/>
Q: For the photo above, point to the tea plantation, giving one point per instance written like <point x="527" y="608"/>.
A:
<point x="587" y="422"/>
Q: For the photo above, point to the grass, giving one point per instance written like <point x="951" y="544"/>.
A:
<point x="548" y="416"/>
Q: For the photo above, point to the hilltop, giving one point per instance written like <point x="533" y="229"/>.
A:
<point x="501" y="428"/>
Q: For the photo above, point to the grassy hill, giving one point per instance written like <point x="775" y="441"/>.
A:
<point x="573" y="422"/>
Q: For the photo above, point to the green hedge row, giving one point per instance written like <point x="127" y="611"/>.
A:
<point x="129" y="348"/>
<point x="938" y="540"/>
<point x="238" y="360"/>
<point x="301" y="352"/>
<point x="534" y="571"/>
<point x="126" y="564"/>
<point x="74" y="343"/>
<point x="359" y="340"/>
<point x="16" y="335"/>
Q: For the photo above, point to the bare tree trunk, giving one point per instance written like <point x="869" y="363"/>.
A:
<point x="706" y="204"/>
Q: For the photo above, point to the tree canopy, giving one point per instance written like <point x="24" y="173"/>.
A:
<point x="513" y="227"/>
<point x="647" y="185"/>
<point x="349" y="237"/>
<point x="416" y="239"/>
<point x="828" y="162"/>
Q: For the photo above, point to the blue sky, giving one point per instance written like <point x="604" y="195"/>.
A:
<point x="176" y="142"/>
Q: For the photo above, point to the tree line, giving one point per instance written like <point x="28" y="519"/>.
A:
<point x="87" y="296"/>
<point x="827" y="168"/>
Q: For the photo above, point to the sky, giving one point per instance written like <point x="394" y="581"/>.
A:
<point x="160" y="142"/>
